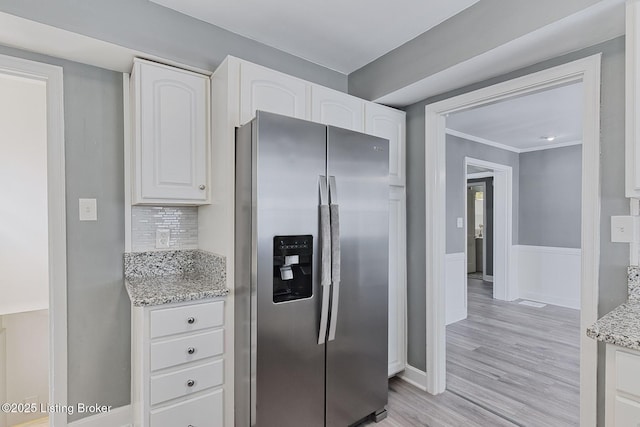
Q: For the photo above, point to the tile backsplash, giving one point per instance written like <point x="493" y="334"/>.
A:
<point x="182" y="221"/>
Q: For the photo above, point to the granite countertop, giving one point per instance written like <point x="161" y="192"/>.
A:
<point x="622" y="325"/>
<point x="156" y="278"/>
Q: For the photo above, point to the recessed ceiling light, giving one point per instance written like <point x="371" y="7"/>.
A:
<point x="548" y="138"/>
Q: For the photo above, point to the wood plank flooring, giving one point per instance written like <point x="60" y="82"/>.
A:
<point x="507" y="365"/>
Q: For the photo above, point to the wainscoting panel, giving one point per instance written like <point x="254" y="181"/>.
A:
<point x="456" y="287"/>
<point x="550" y="275"/>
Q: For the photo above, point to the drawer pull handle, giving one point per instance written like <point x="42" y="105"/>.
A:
<point x="191" y="350"/>
<point x="191" y="320"/>
<point x="191" y="383"/>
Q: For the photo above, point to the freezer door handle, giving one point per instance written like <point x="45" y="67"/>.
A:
<point x="325" y="257"/>
<point x="334" y="210"/>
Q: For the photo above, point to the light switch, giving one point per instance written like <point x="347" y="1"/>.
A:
<point x="624" y="228"/>
<point x="88" y="209"/>
<point x="460" y="222"/>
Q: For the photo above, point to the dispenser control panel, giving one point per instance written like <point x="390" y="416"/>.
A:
<point x="292" y="268"/>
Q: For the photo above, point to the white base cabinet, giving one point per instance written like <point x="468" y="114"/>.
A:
<point x="178" y="364"/>
<point x="239" y="88"/>
<point x="622" y="392"/>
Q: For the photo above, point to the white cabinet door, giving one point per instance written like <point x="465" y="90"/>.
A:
<point x="172" y="131"/>
<point x="334" y="108"/>
<point x="268" y="90"/>
<point x="388" y="123"/>
<point x="397" y="280"/>
<point x="627" y="412"/>
<point x="632" y="93"/>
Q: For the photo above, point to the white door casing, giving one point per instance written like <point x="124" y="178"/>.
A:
<point x="56" y="210"/>
<point x="586" y="70"/>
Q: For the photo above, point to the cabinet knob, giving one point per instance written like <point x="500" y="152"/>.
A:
<point x="202" y="187"/>
<point x="191" y="383"/>
<point x="191" y="350"/>
<point x="191" y="320"/>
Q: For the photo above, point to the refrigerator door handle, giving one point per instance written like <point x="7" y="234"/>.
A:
<point x="334" y="210"/>
<point x="325" y="257"/>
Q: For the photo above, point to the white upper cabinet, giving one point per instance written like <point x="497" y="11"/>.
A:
<point x="267" y="90"/>
<point x="388" y="123"/>
<point x="334" y="108"/>
<point x="171" y="135"/>
<point x="632" y="93"/>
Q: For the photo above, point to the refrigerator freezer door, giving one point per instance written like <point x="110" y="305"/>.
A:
<point x="289" y="372"/>
<point x="356" y="383"/>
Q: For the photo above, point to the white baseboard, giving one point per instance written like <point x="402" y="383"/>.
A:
<point x="455" y="273"/>
<point x="118" y="417"/>
<point x="415" y="377"/>
<point x="550" y="275"/>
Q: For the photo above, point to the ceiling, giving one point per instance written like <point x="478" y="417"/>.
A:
<point x="340" y="35"/>
<point x="519" y="124"/>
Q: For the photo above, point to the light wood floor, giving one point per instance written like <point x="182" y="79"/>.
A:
<point x="40" y="422"/>
<point x="507" y="365"/>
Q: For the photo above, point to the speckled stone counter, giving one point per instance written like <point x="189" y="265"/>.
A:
<point x="622" y="325"/>
<point x="155" y="278"/>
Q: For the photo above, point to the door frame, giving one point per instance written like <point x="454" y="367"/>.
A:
<point x="52" y="76"/>
<point x="586" y="70"/>
<point x="486" y="277"/>
<point x="504" y="284"/>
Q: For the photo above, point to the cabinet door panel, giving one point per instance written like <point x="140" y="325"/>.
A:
<point x="271" y="91"/>
<point x="173" y="133"/>
<point x="335" y="108"/>
<point x="390" y="124"/>
<point x="397" y="280"/>
<point x="627" y="412"/>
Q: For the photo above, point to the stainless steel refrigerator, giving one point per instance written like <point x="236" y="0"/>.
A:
<point x="311" y="274"/>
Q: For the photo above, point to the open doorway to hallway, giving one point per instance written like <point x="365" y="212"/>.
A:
<point x="23" y="204"/>
<point x="513" y="344"/>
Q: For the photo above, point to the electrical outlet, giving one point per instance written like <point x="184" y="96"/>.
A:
<point x="624" y="228"/>
<point x="162" y="238"/>
<point x="88" y="209"/>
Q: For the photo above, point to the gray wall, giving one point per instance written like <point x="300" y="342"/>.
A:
<point x="550" y="197"/>
<point x="478" y="29"/>
<point x="613" y="257"/>
<point x="456" y="150"/>
<point x="151" y="28"/>
<point x="97" y="304"/>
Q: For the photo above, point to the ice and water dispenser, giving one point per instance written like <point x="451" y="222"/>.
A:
<point x="292" y="268"/>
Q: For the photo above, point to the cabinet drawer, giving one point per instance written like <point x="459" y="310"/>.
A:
<point x="627" y="373"/>
<point x="205" y="411"/>
<point x="189" y="318"/>
<point x="176" y="384"/>
<point x="186" y="349"/>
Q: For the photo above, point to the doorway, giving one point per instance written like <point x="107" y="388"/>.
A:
<point x="586" y="71"/>
<point x="33" y="246"/>
<point x="476" y="222"/>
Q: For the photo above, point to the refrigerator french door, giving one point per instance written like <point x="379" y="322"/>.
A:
<point x="311" y="274"/>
